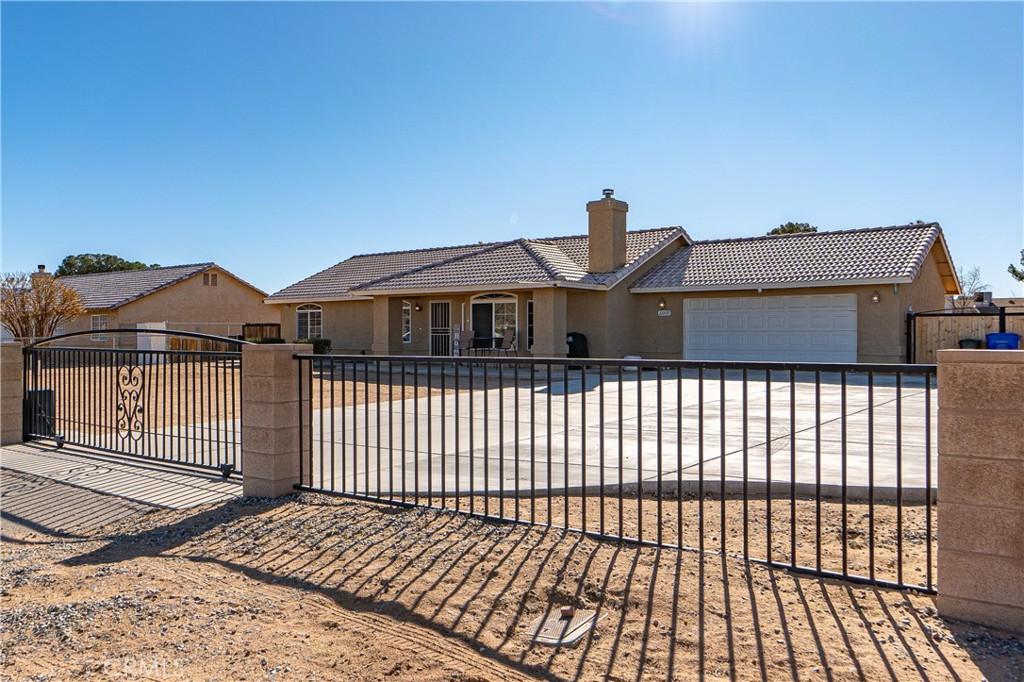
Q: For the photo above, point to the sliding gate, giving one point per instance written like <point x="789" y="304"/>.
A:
<point x="827" y="469"/>
<point x="163" y="395"/>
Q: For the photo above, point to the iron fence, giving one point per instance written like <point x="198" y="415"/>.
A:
<point x="169" y="405"/>
<point x="827" y="469"/>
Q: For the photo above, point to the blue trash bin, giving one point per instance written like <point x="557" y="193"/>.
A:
<point x="1002" y="341"/>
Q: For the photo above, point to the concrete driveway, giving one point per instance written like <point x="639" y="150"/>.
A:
<point x="560" y="436"/>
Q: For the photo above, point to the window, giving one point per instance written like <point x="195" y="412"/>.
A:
<point x="529" y="323"/>
<point x="98" y="325"/>
<point x="209" y="279"/>
<point x="309" y="321"/>
<point x="406" y="322"/>
<point x="504" y="317"/>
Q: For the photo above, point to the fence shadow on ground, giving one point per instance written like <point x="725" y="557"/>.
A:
<point x="662" y="614"/>
<point x="57" y="509"/>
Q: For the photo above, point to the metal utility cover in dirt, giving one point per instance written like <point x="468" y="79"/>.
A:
<point x="558" y="631"/>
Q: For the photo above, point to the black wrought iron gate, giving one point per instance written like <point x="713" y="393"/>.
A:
<point x="179" y="403"/>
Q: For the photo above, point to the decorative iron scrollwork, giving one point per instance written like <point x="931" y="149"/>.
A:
<point x="130" y="411"/>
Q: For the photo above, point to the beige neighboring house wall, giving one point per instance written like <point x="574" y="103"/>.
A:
<point x="189" y="305"/>
<point x="184" y="304"/>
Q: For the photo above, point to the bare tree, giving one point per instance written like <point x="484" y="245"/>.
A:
<point x="971" y="283"/>
<point x="32" y="307"/>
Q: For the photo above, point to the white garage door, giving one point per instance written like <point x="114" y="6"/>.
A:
<point x="820" y="328"/>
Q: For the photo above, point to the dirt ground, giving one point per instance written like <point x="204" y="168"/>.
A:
<point x="645" y="519"/>
<point x="311" y="587"/>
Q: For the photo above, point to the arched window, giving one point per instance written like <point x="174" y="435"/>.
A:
<point x="309" y="321"/>
<point x="492" y="315"/>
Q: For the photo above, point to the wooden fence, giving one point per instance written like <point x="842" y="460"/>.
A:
<point x="931" y="332"/>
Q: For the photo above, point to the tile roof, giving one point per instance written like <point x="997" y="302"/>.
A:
<point x="114" y="289"/>
<point x="871" y="255"/>
<point x="340" y="279"/>
<point x="542" y="261"/>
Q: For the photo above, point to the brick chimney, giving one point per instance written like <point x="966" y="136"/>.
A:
<point x="39" y="274"/>
<point x="607" y="217"/>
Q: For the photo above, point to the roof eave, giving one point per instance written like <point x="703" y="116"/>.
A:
<point x="749" y="286"/>
<point x="947" y="271"/>
<point x="427" y="291"/>
<point x="315" y="299"/>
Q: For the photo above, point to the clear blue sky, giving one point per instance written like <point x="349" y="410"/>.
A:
<point x="278" y="139"/>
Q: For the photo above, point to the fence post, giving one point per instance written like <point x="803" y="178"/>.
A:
<point x="270" y="418"/>
<point x="981" y="487"/>
<point x="12" y="391"/>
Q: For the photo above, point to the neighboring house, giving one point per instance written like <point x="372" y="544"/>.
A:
<point x="1013" y="303"/>
<point x="203" y="297"/>
<point x="826" y="296"/>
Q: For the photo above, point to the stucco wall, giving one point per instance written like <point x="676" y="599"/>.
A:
<point x="348" y="324"/>
<point x="607" y="317"/>
<point x="926" y="292"/>
<point x="191" y="306"/>
<point x="84" y="323"/>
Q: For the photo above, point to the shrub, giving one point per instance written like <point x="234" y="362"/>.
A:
<point x="320" y="346"/>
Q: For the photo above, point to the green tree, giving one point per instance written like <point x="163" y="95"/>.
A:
<point x="793" y="228"/>
<point x="1015" y="272"/>
<point x="87" y="263"/>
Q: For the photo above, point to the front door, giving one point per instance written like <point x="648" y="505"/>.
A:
<point x="483" y="325"/>
<point x="440" y="328"/>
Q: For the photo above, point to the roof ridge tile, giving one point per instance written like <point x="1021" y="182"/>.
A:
<point x="379" y="280"/>
<point x="146" y="269"/>
<point x="772" y="237"/>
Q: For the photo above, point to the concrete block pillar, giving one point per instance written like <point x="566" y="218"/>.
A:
<point x="981" y="487"/>
<point x="270" y="418"/>
<point x="12" y="392"/>
<point x="549" y="313"/>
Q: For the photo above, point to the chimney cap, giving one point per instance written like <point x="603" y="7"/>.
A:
<point x="608" y="193"/>
<point x="42" y="267"/>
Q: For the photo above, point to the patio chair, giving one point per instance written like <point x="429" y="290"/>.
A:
<point x="508" y="343"/>
<point x="466" y="342"/>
